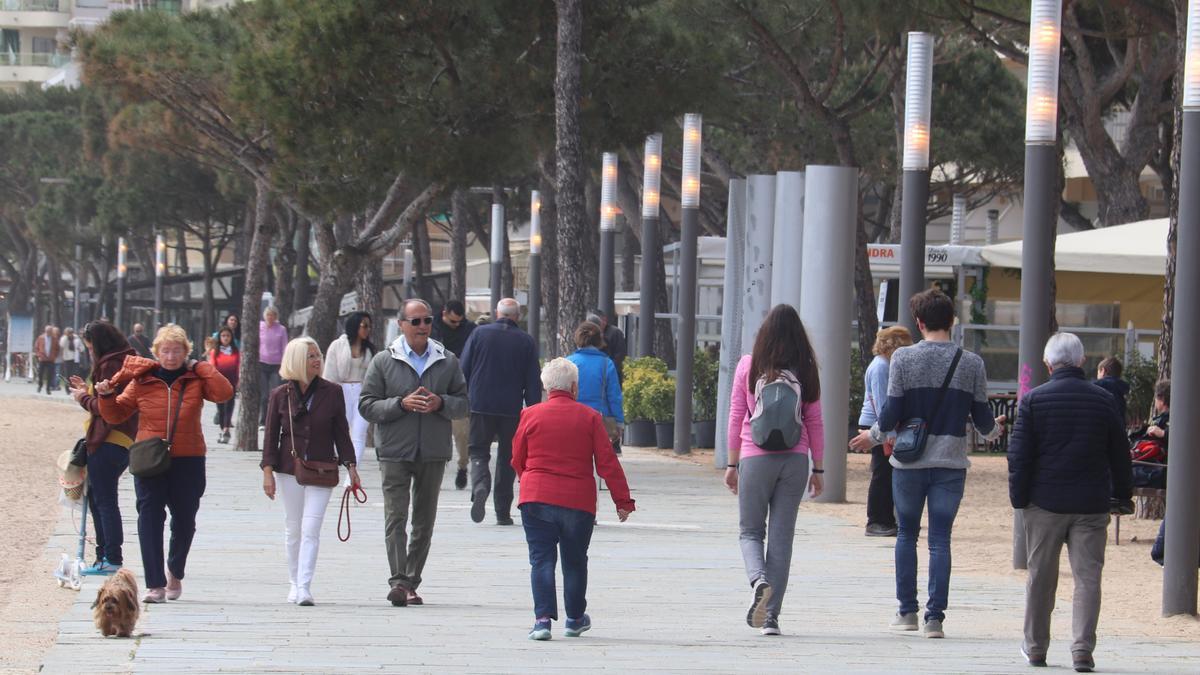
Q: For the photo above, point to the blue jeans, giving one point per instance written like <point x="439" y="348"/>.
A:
<point x="548" y="530"/>
<point x="104" y="467"/>
<point x="179" y="489"/>
<point x="943" y="488"/>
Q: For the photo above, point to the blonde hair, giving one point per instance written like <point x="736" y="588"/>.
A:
<point x="890" y="339"/>
<point x="171" y="333"/>
<point x="294" y="365"/>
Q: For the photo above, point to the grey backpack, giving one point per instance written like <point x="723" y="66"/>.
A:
<point x="777" y="421"/>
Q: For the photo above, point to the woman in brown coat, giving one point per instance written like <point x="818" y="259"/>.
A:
<point x="306" y="418"/>
<point x="153" y="391"/>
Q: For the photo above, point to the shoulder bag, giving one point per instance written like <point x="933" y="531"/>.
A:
<point x="611" y="426"/>
<point x="152" y="457"/>
<point x="309" y="472"/>
<point x="912" y="435"/>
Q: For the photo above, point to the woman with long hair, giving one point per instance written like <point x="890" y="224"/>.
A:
<point x="346" y="365"/>
<point x="235" y="327"/>
<point x="107" y="444"/>
<point x="769" y="483"/>
<point x="227" y="359"/>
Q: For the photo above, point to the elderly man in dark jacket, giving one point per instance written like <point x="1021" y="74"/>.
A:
<point x="500" y="362"/>
<point x="1068" y="463"/>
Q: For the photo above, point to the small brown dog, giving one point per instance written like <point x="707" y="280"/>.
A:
<point x="116" y="608"/>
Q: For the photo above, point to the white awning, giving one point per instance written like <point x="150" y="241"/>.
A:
<point x="1133" y="248"/>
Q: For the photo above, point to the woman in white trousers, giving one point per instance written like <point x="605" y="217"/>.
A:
<point x="345" y="365"/>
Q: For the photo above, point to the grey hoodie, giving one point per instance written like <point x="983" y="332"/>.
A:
<point x="400" y="435"/>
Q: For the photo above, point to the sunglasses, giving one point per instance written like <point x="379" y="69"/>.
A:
<point x="427" y="320"/>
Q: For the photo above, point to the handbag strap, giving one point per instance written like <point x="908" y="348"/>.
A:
<point x="937" y="408"/>
<point x="174" y="424"/>
<point x="291" y="424"/>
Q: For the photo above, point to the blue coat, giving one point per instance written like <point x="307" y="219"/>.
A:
<point x="1068" y="453"/>
<point x="500" y="363"/>
<point x="596" y="371"/>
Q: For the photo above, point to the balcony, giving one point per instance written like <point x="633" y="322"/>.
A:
<point x="41" y="60"/>
<point x="18" y="68"/>
<point x="30" y="5"/>
<point x="35" y="13"/>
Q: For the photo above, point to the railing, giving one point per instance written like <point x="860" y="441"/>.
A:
<point x="29" y="5"/>
<point x="45" y="60"/>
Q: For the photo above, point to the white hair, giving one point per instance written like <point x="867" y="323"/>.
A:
<point x="509" y="309"/>
<point x="559" y="375"/>
<point x="1063" y="350"/>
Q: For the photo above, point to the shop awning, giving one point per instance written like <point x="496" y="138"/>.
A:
<point x="1133" y="248"/>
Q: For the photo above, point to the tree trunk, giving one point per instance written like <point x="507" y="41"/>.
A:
<point x="208" y="312"/>
<point x="300" y="282"/>
<point x="369" y="284"/>
<point x="576" y="290"/>
<point x="248" y="371"/>
<point x="181" y="261"/>
<point x="1167" y="337"/>
<point x="549" y="254"/>
<point x="506" y="270"/>
<point x="423" y="259"/>
<point x="285" y="268"/>
<point x="56" y="292"/>
<point x="460" y="214"/>
<point x="664" y="335"/>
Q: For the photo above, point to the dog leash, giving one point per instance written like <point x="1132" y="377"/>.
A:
<point x="360" y="496"/>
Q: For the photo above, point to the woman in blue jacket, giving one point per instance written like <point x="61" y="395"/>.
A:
<point x="599" y="386"/>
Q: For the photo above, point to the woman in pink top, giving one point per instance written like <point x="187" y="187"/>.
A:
<point x="769" y="484"/>
<point x="272" y="340"/>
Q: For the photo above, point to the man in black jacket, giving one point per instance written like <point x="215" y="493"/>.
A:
<point x="1068" y="463"/>
<point x="452" y="329"/>
<point x="1108" y="378"/>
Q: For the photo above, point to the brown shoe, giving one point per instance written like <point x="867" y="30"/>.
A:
<point x="398" y="596"/>
<point x="414" y="599"/>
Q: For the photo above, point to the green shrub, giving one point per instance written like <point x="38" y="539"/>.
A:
<point x="659" y="398"/>
<point x="1141" y="374"/>
<point x="704" y="386"/>
<point x="640" y="374"/>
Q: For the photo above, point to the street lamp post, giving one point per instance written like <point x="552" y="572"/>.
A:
<point x="686" y="338"/>
<point x="1041" y="157"/>
<point x="122" y="270"/>
<point x="608" y="221"/>
<point x="535" y="268"/>
<point x="408" y="274"/>
<point x="915" y="195"/>
<point x="160" y="270"/>
<point x="497" y="253"/>
<point x="648" y="295"/>
<point x="78" y="285"/>
<point x="1183" y="500"/>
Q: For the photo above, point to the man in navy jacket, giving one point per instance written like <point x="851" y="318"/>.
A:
<point x="500" y="362"/>
<point x="1068" y="459"/>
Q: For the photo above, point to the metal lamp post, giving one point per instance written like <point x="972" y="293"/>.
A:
<point x="608" y="222"/>
<point x="497" y="253"/>
<point x="535" y="268"/>
<point x="917" y="95"/>
<point x="686" y="337"/>
<point x="1041" y="156"/>
<point x="408" y="274"/>
<point x="651" y="177"/>
<point x="160" y="270"/>
<point x="122" y="270"/>
<point x="1183" y="500"/>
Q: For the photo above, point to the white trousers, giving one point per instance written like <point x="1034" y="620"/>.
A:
<point x="303" y="511"/>
<point x="358" y="425"/>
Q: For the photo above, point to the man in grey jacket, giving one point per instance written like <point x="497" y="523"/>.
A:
<point x="412" y="391"/>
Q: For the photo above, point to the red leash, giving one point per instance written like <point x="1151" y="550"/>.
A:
<point x="360" y="496"/>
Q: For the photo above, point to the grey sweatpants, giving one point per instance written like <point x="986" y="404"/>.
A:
<point x="1085" y="535"/>
<point x="770" y="488"/>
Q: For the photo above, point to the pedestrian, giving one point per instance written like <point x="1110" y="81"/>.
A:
<point x="231" y="322"/>
<point x="558" y="448"/>
<point x="599" y="388"/>
<point x="614" y="341"/>
<point x="107" y="445"/>
<point x="501" y="366"/>
<point x="272" y="339"/>
<point x="69" y="348"/>
<point x="306" y="420"/>
<point x="769" y="472"/>
<point x="345" y="366"/>
<point x="140" y="341"/>
<point x="155" y="391"/>
<point x="46" y="350"/>
<point x="941" y="384"/>
<point x="452" y="329"/>
<point x="227" y="359"/>
<point x="412" y="391"/>
<point x="1068" y="466"/>
<point x="1108" y="377"/>
<point x="881" y="510"/>
<point x="58" y="362"/>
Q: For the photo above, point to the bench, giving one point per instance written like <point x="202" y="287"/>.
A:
<point x="1149" y="503"/>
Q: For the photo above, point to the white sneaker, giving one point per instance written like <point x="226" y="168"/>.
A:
<point x="304" y="598"/>
<point x="292" y="594"/>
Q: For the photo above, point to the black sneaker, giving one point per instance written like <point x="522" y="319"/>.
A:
<point x="1083" y="662"/>
<point x="478" y="506"/>
<point x="460" y="479"/>
<point x="771" y="626"/>
<point x="757" y="614"/>
<point x="877" y="530"/>
<point x="504" y="520"/>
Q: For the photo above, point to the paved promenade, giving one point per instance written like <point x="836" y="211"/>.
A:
<point x="667" y="594"/>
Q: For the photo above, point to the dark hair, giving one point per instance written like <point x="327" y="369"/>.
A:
<point x="1111" y="367"/>
<point x="232" y="341"/>
<point x="1162" y="390"/>
<point x="353" y="321"/>
<point x="454" y="307"/>
<point x="237" y="332"/>
<point x="782" y="344"/>
<point x="105" y="339"/>
<point x="588" y="335"/>
<point x="933" y="308"/>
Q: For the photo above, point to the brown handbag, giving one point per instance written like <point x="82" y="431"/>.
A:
<point x="307" y="472"/>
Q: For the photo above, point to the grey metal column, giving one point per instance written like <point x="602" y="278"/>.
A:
<point x="758" y="255"/>
<point x="608" y="219"/>
<point x="915" y="184"/>
<point x="826" y="303"/>
<point x="685" y="346"/>
<point x="731" y="312"/>
<point x="78" y="285"/>
<point x="535" y="269"/>
<point x="788" y="244"/>
<point x="912" y="243"/>
<point x="1183" y="499"/>
<point x="648" y="291"/>
<point x="497" y="254"/>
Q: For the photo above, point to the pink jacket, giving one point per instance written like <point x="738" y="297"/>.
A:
<point x="741" y="405"/>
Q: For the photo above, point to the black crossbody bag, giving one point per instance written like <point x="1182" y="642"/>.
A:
<point x="912" y="435"/>
<point x="152" y="457"/>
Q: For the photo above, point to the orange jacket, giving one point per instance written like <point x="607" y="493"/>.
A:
<point x="155" y="403"/>
<point x="41" y="353"/>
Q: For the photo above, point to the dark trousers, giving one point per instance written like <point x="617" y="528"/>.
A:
<point x="268" y="379"/>
<point x="104" y="468"/>
<point x="415" y="484"/>
<point x="45" y="376"/>
<point x="225" y="414"/>
<point x="484" y="429"/>
<point x="549" y="531"/>
<point x="881" y="509"/>
<point x="180" y="490"/>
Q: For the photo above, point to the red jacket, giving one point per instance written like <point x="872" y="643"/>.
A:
<point x="556" y="446"/>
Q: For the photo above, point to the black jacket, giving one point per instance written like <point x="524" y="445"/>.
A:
<point x="1068" y="453"/>
<point x="1120" y="390"/>
<point x="454" y="339"/>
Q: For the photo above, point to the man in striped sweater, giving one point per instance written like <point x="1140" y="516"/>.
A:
<point x="938" y="476"/>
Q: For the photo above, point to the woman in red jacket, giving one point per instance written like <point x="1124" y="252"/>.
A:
<point x="558" y="446"/>
<point x="227" y="360"/>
